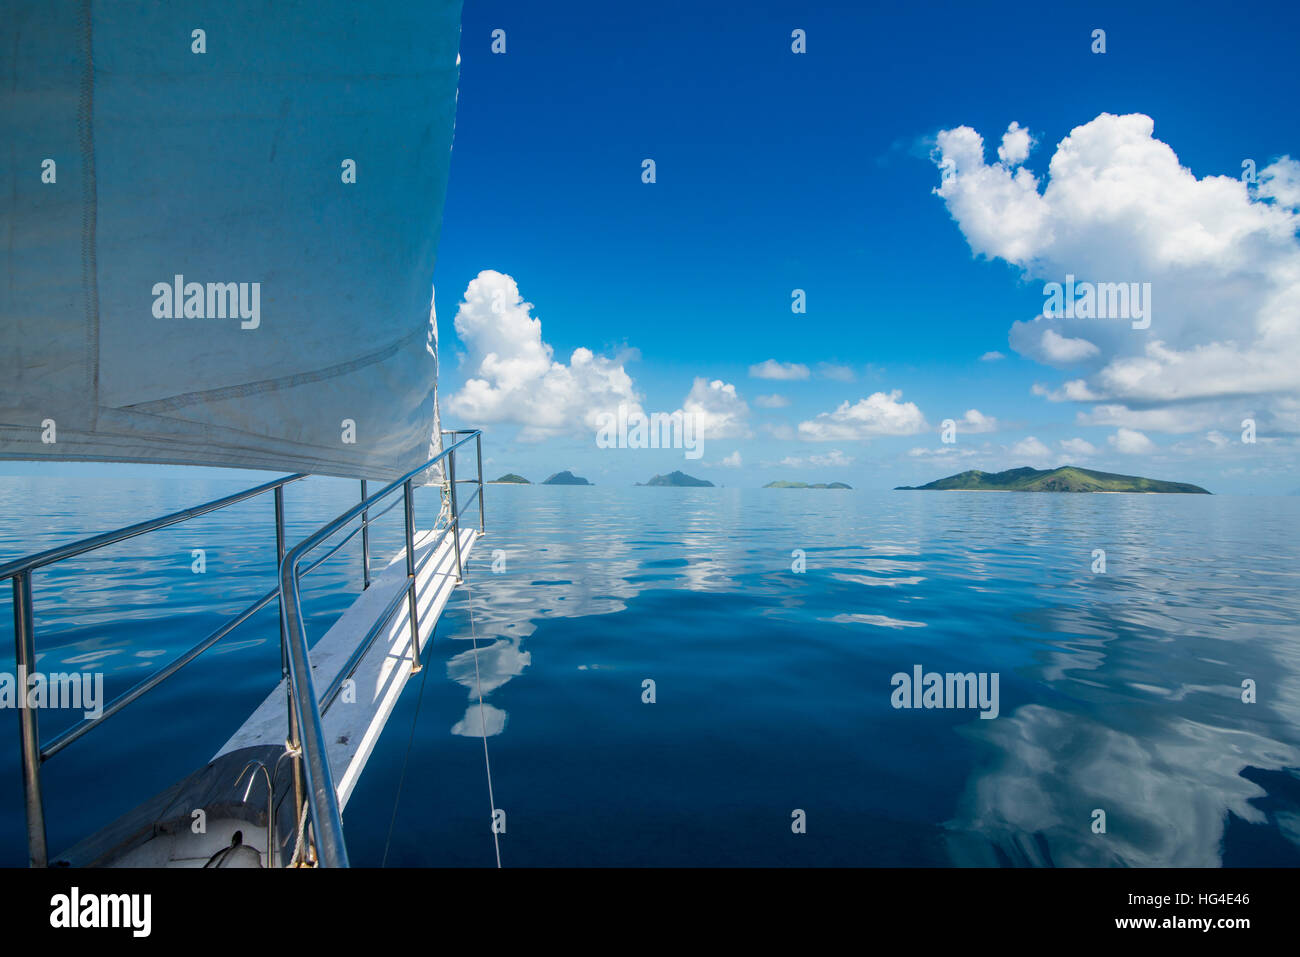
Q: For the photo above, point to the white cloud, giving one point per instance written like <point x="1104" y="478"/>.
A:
<point x="785" y="371"/>
<point x="975" y="421"/>
<point x="1016" y="144"/>
<point x="1030" y="450"/>
<point x="1172" y="419"/>
<point x="878" y="414"/>
<point x="1058" y="348"/>
<point x="1218" y="439"/>
<point x="993" y="356"/>
<point x="732" y="461"/>
<point x="1080" y="448"/>
<point x="771" y="401"/>
<point x="513" y="374"/>
<point x="1117" y="206"/>
<point x="1281" y="181"/>
<point x="720" y="413"/>
<point x="831" y="370"/>
<point x="832" y="459"/>
<point x="1076" y="390"/>
<point x="1131" y="442"/>
<point x="997" y="208"/>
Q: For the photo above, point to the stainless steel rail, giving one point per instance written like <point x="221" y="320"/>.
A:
<point x="20" y="571"/>
<point x="306" y="739"/>
<point x="309" y="740"/>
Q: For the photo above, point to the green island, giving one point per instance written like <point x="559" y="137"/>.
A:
<point x="783" y="484"/>
<point x="676" y="480"/>
<point x="1067" y="478"/>
<point x="565" y="478"/>
<point x="510" y="478"/>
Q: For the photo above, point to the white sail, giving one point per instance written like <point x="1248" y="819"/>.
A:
<point x="220" y="222"/>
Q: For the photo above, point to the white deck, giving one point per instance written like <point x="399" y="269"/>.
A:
<point x="352" y="728"/>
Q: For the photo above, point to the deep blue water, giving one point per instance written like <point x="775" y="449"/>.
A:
<point x="1119" y="691"/>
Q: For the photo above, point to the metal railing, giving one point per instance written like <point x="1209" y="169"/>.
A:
<point x="307" y="736"/>
<point x="294" y="662"/>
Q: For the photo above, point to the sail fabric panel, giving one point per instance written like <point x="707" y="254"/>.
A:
<point x="233" y="262"/>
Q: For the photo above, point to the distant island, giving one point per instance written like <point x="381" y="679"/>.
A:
<point x="677" y="480"/>
<point x="565" y="478"/>
<point x="1068" y="478"/>
<point x="510" y="478"/>
<point x="783" y="484"/>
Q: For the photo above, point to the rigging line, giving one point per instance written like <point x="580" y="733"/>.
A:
<point x="496" y="839"/>
<point x="409" y="741"/>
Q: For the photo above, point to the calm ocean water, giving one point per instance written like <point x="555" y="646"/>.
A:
<point x="1119" y="691"/>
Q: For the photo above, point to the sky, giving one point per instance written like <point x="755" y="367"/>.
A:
<point x="866" y="172"/>
<point x="921" y="173"/>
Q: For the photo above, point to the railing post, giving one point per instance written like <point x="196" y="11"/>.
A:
<point x="365" y="540"/>
<point x="410" y="575"/>
<point x="478" y="446"/>
<point x="279" y="557"/>
<point x="25" y="657"/>
<point x="292" y="725"/>
<point x="326" y="820"/>
<point x="455" y="512"/>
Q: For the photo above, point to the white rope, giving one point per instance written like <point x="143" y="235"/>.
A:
<point x="302" y="825"/>
<point x="496" y="839"/>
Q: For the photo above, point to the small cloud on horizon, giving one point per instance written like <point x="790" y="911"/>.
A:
<point x="781" y="371"/>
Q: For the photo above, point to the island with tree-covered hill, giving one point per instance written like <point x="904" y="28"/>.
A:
<point x="677" y="480"/>
<point x="565" y="478"/>
<point x="1067" y="478"/>
<point x="510" y="478"/>
<point x="783" y="484"/>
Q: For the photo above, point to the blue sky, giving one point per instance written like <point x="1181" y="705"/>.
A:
<point x="818" y="171"/>
<point x="778" y="171"/>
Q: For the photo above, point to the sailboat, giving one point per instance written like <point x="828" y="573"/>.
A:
<point x="221" y="227"/>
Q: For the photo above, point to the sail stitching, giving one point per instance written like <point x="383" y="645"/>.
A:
<point x="271" y="385"/>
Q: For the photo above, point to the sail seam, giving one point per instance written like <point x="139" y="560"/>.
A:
<point x="271" y="385"/>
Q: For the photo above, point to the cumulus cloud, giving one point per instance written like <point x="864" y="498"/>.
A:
<point x="785" y="371"/>
<point x="1016" y="144"/>
<point x="720" y="413"/>
<point x="976" y="421"/>
<point x="1076" y="390"/>
<point x="1280" y="181"/>
<point x="771" y="401"/>
<point x="1058" y="348"/>
<point x="1131" y="442"/>
<point x="993" y="356"/>
<point x="878" y="414"/>
<point x="1031" y="450"/>
<point x="1172" y="419"/>
<point x="732" y="461"/>
<point x="1116" y="206"/>
<point x="514" y="376"/>
<point x="1079" y="448"/>
<point x="832" y="459"/>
